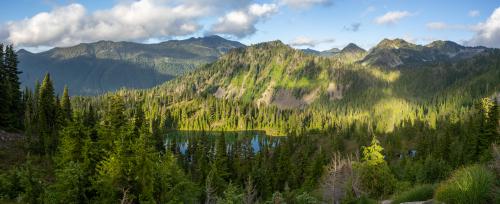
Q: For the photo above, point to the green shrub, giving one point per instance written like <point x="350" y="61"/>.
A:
<point x="418" y="193"/>
<point x="473" y="184"/>
<point x="378" y="181"/>
<point x="432" y="170"/>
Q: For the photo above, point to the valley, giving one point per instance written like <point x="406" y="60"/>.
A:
<point x="216" y="102"/>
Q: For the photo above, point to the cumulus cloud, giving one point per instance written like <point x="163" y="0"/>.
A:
<point x="300" y="4"/>
<point x="302" y="41"/>
<point x="488" y="32"/>
<point x="128" y="20"/>
<point x="47" y="27"/>
<point x="353" y="27"/>
<point x="474" y="13"/>
<point x="392" y="17"/>
<point x="241" y="23"/>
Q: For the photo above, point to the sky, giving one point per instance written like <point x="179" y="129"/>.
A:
<point x="39" y="25"/>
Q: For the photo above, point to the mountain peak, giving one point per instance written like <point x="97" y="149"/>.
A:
<point x="440" y="44"/>
<point x="394" y="44"/>
<point x="214" y="37"/>
<point x="352" y="48"/>
<point x="274" y="43"/>
<point x="333" y="50"/>
<point x="23" y="52"/>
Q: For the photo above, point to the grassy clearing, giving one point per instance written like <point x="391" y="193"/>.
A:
<point x="473" y="184"/>
<point x="418" y="193"/>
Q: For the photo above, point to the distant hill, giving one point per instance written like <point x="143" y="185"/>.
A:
<point x="351" y="48"/>
<point x="398" y="53"/>
<point x="93" y="68"/>
<point x="324" y="53"/>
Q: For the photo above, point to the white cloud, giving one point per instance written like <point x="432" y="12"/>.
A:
<point x="474" y="13"/>
<point x="392" y="17"/>
<point x="488" y="33"/>
<point x="262" y="9"/>
<point x="47" y="28"/>
<point x="241" y="23"/>
<point x="445" y="26"/>
<point x="136" y="20"/>
<point x="301" y="4"/>
<point x="302" y="41"/>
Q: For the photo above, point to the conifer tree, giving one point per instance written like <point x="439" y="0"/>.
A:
<point x="5" y="99"/>
<point x="66" y="105"/>
<point x="47" y="114"/>
<point x="16" y="107"/>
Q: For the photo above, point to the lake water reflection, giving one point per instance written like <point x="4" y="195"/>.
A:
<point x="257" y="139"/>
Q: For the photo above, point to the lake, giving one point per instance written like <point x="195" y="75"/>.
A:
<point x="256" y="139"/>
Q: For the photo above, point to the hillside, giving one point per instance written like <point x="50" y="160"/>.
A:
<point x="92" y="68"/>
<point x="338" y="88"/>
<point x="274" y="74"/>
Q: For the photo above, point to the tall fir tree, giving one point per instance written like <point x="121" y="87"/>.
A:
<point x="47" y="114"/>
<point x="4" y="92"/>
<point x="66" y="105"/>
<point x="16" y="107"/>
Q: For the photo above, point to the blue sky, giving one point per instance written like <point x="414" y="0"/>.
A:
<point x="317" y="24"/>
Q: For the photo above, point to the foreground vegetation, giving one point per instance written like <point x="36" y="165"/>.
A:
<point x="111" y="148"/>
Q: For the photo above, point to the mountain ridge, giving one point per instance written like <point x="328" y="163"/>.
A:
<point x="275" y="74"/>
<point x="93" y="68"/>
<point x="398" y="52"/>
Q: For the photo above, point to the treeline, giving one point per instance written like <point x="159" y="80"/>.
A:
<point x="118" y="155"/>
<point x="289" y="167"/>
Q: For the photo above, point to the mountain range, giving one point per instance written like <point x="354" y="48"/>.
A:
<point x="274" y="73"/>
<point x="368" y="86"/>
<point x="269" y="73"/>
<point x="93" y="68"/>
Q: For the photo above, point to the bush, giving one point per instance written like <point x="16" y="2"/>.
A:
<point x="473" y="184"/>
<point x="378" y="181"/>
<point x="418" y="193"/>
<point x="432" y="170"/>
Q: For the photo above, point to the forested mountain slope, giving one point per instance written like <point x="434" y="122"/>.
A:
<point x="316" y="92"/>
<point x="92" y="68"/>
<point x="275" y="74"/>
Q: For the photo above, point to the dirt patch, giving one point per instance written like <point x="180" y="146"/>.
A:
<point x="311" y="96"/>
<point x="220" y="93"/>
<point x="335" y="91"/>
<point x="285" y="99"/>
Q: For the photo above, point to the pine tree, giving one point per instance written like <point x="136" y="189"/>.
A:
<point x="487" y="128"/>
<point x="16" y="105"/>
<point x="47" y="115"/>
<point x="115" y="116"/>
<point x="375" y="176"/>
<point x="372" y="154"/>
<point x="5" y="99"/>
<point x="66" y="105"/>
